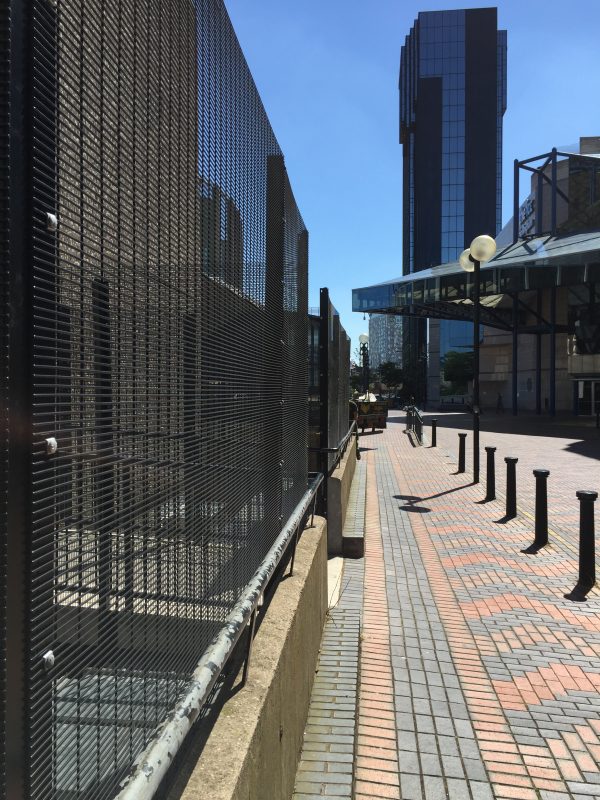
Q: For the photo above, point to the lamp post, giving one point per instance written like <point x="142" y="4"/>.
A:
<point x="364" y="357"/>
<point x="482" y="249"/>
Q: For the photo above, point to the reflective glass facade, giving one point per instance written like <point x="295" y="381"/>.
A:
<point x="452" y="101"/>
<point x="442" y="54"/>
<point x="436" y="50"/>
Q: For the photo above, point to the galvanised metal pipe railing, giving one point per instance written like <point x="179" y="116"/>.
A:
<point x="341" y="448"/>
<point x="152" y="765"/>
<point x="414" y="422"/>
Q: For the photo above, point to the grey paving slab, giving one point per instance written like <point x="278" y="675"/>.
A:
<point x="327" y="759"/>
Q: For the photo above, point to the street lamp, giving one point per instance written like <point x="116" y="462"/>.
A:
<point x="364" y="357"/>
<point x="483" y="248"/>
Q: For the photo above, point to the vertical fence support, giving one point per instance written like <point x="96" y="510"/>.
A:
<point x="324" y="394"/>
<point x="587" y="547"/>
<point x="434" y="432"/>
<point x="16" y="238"/>
<point x="490" y="493"/>
<point x="541" y="511"/>
<point x="462" y="437"/>
<point x="511" y="487"/>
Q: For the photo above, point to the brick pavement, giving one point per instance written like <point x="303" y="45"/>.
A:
<point x="570" y="451"/>
<point x="526" y="659"/>
<point x="376" y="769"/>
<point x="491" y="677"/>
<point x="327" y="761"/>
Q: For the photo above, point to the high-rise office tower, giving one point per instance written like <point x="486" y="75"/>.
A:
<point x="385" y="339"/>
<point x="452" y="100"/>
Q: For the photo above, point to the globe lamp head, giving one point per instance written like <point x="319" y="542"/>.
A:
<point x="483" y="248"/>
<point x="465" y="261"/>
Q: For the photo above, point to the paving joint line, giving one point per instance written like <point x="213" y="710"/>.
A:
<point x="560" y="535"/>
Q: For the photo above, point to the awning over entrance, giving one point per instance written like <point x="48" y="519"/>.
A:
<point x="444" y="292"/>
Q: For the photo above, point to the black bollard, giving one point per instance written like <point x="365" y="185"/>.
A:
<point x="541" y="511"/>
<point x="461" y="451"/>
<point x="587" y="547"/>
<point x="490" y="493"/>
<point x="434" y="432"/>
<point x="511" y="486"/>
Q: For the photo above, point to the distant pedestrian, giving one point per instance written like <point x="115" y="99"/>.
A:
<point x="499" y="405"/>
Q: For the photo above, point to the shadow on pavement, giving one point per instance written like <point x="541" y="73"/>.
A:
<point x="410" y="499"/>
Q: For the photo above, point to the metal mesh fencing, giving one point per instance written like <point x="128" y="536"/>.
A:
<point x="168" y="280"/>
<point x="329" y="364"/>
<point x="4" y="362"/>
<point x="314" y="393"/>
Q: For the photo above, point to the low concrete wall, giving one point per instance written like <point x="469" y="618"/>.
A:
<point x="338" y="491"/>
<point x="253" y="750"/>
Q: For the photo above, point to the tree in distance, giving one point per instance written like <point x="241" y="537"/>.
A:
<point x="458" y="370"/>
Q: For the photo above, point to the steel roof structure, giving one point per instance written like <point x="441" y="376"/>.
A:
<point x="445" y="291"/>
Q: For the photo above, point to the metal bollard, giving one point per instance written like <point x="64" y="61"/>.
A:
<point x="511" y="486"/>
<point x="541" y="511"/>
<point x="587" y="547"/>
<point x="490" y="493"/>
<point x="434" y="432"/>
<point x="461" y="451"/>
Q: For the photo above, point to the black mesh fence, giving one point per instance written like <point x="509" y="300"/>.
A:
<point x="4" y="350"/>
<point x="167" y="280"/>
<point x="329" y="384"/>
<point x="315" y="463"/>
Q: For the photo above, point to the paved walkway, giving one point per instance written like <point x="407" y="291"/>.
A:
<point x="570" y="450"/>
<point x="477" y="679"/>
<point x="327" y="764"/>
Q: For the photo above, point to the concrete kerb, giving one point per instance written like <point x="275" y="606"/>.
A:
<point x="338" y="491"/>
<point x="254" y="746"/>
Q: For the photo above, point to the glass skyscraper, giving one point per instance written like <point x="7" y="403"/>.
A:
<point x="452" y="100"/>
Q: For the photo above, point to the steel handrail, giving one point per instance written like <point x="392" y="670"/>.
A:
<point x="415" y="422"/>
<point x="151" y="766"/>
<point x="341" y="447"/>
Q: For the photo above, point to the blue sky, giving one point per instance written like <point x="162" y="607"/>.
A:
<point x="327" y="71"/>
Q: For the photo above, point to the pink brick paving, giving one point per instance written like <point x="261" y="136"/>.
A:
<point x="527" y="660"/>
<point x="376" y="771"/>
<point x="570" y="452"/>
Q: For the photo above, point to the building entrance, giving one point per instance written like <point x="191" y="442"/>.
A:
<point x="589" y="398"/>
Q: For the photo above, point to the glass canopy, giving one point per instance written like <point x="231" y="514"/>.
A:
<point x="445" y="291"/>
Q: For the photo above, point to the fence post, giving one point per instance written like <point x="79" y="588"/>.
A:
<point x="511" y="486"/>
<point x="587" y="547"/>
<point x="434" y="432"/>
<point x="541" y="511"/>
<point x="461" y="451"/>
<point x="324" y="306"/>
<point x="490" y="493"/>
